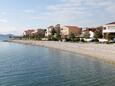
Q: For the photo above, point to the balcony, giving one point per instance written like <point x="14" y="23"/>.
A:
<point x="109" y="31"/>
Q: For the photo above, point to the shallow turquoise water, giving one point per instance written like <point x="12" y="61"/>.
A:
<point x="25" y="65"/>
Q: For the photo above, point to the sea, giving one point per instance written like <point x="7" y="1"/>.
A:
<point x="26" y="65"/>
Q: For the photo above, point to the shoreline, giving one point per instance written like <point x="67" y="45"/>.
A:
<point x="105" y="52"/>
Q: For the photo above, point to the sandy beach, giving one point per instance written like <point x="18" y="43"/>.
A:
<point x="105" y="52"/>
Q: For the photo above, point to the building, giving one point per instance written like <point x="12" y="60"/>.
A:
<point x="63" y="31"/>
<point x="49" y="30"/>
<point x="90" y="31"/>
<point x="28" y="32"/>
<point x="40" y="32"/>
<point x="53" y="29"/>
<point x="67" y="30"/>
<point x="32" y="32"/>
<point x="109" y="30"/>
<point x="58" y="29"/>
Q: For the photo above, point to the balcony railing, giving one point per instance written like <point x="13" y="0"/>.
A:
<point x="109" y="31"/>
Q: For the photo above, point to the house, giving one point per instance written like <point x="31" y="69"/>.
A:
<point x="90" y="31"/>
<point x="40" y="32"/>
<point x="53" y="29"/>
<point x="109" y="31"/>
<point x="58" y="29"/>
<point x="28" y="32"/>
<point x="67" y="30"/>
<point x="32" y="32"/>
<point x="49" y="31"/>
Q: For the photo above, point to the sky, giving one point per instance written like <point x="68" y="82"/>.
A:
<point x="19" y="15"/>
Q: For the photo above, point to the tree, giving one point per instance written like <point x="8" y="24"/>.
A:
<point x="98" y="32"/>
<point x="111" y="36"/>
<point x="72" y="36"/>
<point x="76" y="39"/>
<point x="53" y="31"/>
<point x="57" y="30"/>
<point x="86" y="34"/>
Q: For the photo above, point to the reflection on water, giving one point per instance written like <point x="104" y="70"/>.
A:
<point x="24" y="65"/>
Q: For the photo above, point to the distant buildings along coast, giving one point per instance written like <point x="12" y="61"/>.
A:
<point x="106" y="32"/>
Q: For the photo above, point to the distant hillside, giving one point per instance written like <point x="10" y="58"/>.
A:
<point x="5" y="37"/>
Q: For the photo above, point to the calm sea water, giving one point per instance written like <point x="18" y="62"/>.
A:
<point x="25" y="65"/>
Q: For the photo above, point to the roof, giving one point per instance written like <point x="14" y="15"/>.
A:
<point x="30" y="30"/>
<point x="110" y="23"/>
<point x="71" y="27"/>
<point x="51" y="27"/>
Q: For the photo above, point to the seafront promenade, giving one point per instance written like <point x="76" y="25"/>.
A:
<point x="105" y="52"/>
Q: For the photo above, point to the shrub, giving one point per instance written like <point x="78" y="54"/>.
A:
<point x="96" y="40"/>
<point x="72" y="37"/>
<point x="49" y="37"/>
<point x="77" y="39"/>
<point x="98" y="32"/>
<point x="54" y="39"/>
<point x="67" y="39"/>
<point x="86" y="35"/>
<point x="82" y="40"/>
<point x="111" y="36"/>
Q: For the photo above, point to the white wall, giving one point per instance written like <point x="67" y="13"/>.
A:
<point x="109" y="29"/>
<point x="48" y="32"/>
<point x="91" y="34"/>
<point x="65" y="31"/>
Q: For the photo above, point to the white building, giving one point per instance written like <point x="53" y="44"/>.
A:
<point x="91" y="34"/>
<point x="48" y="30"/>
<point x="109" y="29"/>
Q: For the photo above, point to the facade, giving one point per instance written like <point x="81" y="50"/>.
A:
<point x="49" y="30"/>
<point x="109" y="30"/>
<point x="55" y="29"/>
<point x="91" y="34"/>
<point x="41" y="32"/>
<point x="67" y="30"/>
<point x="90" y="31"/>
<point x="32" y="32"/>
<point x="58" y="29"/>
<point x="28" y="32"/>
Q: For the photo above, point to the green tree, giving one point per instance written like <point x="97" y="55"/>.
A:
<point x="53" y="31"/>
<point x="98" y="34"/>
<point x="111" y="36"/>
<point x="72" y="37"/>
<point x="86" y="34"/>
<point x="49" y="37"/>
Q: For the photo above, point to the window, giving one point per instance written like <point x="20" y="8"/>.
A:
<point x="104" y="28"/>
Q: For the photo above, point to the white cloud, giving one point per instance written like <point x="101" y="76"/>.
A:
<point x="65" y="11"/>
<point x="82" y="10"/>
<point x="108" y="5"/>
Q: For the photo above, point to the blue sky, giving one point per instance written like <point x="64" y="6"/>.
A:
<point x="19" y="15"/>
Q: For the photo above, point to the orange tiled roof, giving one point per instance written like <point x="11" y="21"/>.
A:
<point x="71" y="27"/>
